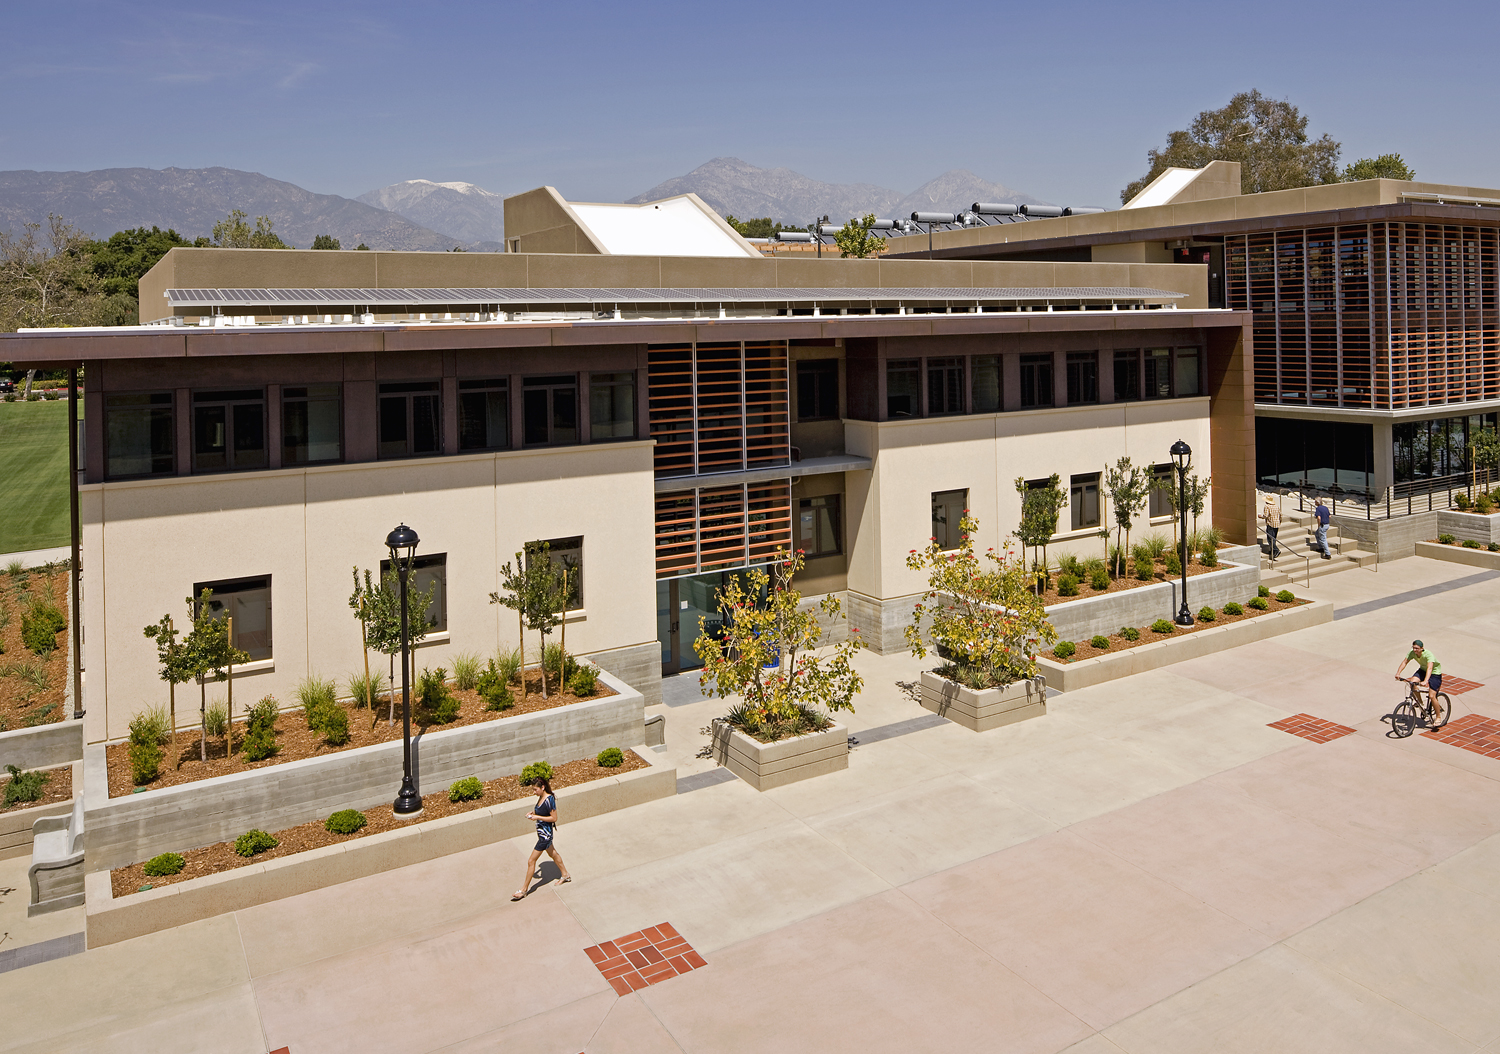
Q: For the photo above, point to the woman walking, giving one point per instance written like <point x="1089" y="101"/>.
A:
<point x="545" y="815"/>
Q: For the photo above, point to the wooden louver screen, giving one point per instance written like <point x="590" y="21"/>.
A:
<point x="717" y="528"/>
<point x="718" y="407"/>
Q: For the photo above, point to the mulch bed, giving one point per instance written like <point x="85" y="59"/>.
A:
<point x="1124" y="582"/>
<point x="59" y="787"/>
<point x="1149" y="636"/>
<point x="213" y="859"/>
<point x="297" y="741"/>
<point x="22" y="705"/>
<point x="1458" y="544"/>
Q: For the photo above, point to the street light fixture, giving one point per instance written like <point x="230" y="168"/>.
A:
<point x="1181" y="453"/>
<point x="402" y="542"/>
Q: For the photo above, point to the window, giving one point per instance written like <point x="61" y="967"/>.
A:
<point x="948" y="508"/>
<point x="1158" y="371"/>
<point x="410" y="419"/>
<point x="1161" y="491"/>
<point x="483" y="415"/>
<point x="1127" y="375"/>
<point x="550" y="409"/>
<point x="248" y="602"/>
<point x="1036" y="380"/>
<point x="818" y="527"/>
<point x="986" y="384"/>
<point x="611" y="406"/>
<point x="1187" y="371"/>
<point x="945" y="386"/>
<point x="138" y="435"/>
<point x="903" y="387"/>
<point x="564" y="553"/>
<point x="817" y="389"/>
<point x="1083" y="500"/>
<point x="229" y="430"/>
<point x="1083" y="377"/>
<point x="311" y="424"/>
<point x="427" y="571"/>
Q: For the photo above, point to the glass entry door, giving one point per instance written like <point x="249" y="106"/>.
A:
<point x="687" y="608"/>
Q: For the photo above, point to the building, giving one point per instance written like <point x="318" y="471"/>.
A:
<point x="1375" y="308"/>
<point x="663" y="421"/>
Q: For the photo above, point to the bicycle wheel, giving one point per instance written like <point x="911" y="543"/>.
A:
<point x="1404" y="719"/>
<point x="1447" y="712"/>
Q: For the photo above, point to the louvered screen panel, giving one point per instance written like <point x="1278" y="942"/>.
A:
<point x="676" y="533"/>
<point x="770" y="519"/>
<point x="1291" y="274"/>
<point x="767" y="417"/>
<point x="1356" y="352"/>
<point x="1322" y="317"/>
<point x="1260" y="284"/>
<point x="721" y="416"/>
<point x="721" y="527"/>
<point x="669" y="396"/>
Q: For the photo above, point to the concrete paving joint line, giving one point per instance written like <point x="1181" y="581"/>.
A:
<point x="1382" y="603"/>
<point x="42" y="951"/>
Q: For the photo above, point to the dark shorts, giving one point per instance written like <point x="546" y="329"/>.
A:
<point x="1435" y="682"/>
<point x="543" y="842"/>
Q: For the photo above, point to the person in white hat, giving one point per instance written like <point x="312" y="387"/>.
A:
<point x="1272" y="515"/>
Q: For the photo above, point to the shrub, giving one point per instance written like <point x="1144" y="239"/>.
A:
<point x="1067" y="585"/>
<point x="164" y="864"/>
<point x="494" y="688"/>
<point x="611" y="758"/>
<point x="1064" y="649"/>
<point x="1140" y="551"/>
<point x="1286" y="596"/>
<point x="24" y="786"/>
<point x="1461" y="501"/>
<point x="1259" y="603"/>
<point x="1483" y="503"/>
<point x="1446" y="539"/>
<point x="1130" y="633"/>
<point x="508" y="664"/>
<point x="1209" y="558"/>
<point x="1099" y="642"/>
<point x="1206" y="614"/>
<point x="554" y="658"/>
<point x="1117" y="557"/>
<point x="467" y="789"/>
<point x="1232" y="608"/>
<point x="345" y="821"/>
<point x="1494" y="547"/>
<point x="364" y="691"/>
<point x="260" y="732"/>
<point x="1099" y="578"/>
<point x="216" y="718"/>
<point x="1470" y="543"/>
<point x="40" y="625"/>
<point x="152" y="726"/>
<point x="314" y="693"/>
<point x="145" y="762"/>
<point x="255" y="841"/>
<point x="1171" y="564"/>
<point x="333" y="724"/>
<point x="535" y="769"/>
<point x="1263" y="591"/>
<point x="1068" y="564"/>
<point x="1161" y="625"/>
<point x="1145" y="570"/>
<point x="584" y="682"/>
<point x="435" y="704"/>
<point x="466" y="671"/>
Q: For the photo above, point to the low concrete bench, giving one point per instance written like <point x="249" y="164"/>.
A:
<point x="56" y="871"/>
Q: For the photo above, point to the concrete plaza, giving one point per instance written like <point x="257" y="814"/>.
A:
<point x="1148" y="868"/>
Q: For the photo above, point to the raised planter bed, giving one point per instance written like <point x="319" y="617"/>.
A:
<point x="1105" y="613"/>
<point x="1457" y="554"/>
<point x="43" y="747"/>
<point x="767" y="765"/>
<point x="138" y="826"/>
<point x="109" y="920"/>
<point x="1464" y="526"/>
<point x="1070" y="676"/>
<point x="42" y="706"/>
<point x="983" y="709"/>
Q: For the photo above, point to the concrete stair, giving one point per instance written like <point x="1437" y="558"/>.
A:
<point x="1296" y="541"/>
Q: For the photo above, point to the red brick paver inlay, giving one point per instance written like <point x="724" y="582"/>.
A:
<point x="1314" y="728"/>
<point x="1457" y="685"/>
<point x="646" y="957"/>
<point x="1472" y="732"/>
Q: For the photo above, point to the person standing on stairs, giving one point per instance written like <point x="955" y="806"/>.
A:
<point x="1272" y="515"/>
<point x="1321" y="512"/>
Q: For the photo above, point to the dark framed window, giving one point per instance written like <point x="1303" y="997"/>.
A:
<point x="427" y="571"/>
<point x="819" y="529"/>
<point x="903" y="387"/>
<point x="248" y="601"/>
<point x="1083" y="500"/>
<point x="229" y="430"/>
<point x="948" y="508"/>
<point x="1083" y="377"/>
<point x="1127" y="375"/>
<point x="817" y="389"/>
<point x="411" y="415"/>
<point x="611" y="406"/>
<point x="945" y="386"/>
<point x="1157" y="371"/>
<point x="563" y="553"/>
<point x="1036" y="380"/>
<point x="484" y="414"/>
<point x="138" y="435"/>
<point x="550" y="410"/>
<point x="1187" y="372"/>
<point x="312" y="424"/>
<point x="1160" y="503"/>
<point x="986" y="384"/>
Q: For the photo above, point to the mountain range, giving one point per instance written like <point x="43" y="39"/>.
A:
<point x="472" y="216"/>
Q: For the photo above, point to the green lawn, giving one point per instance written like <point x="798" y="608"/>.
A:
<point x="33" y="475"/>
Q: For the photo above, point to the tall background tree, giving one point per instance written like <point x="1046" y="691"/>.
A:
<point x="1268" y="137"/>
<point x="1386" y="166"/>
<point x="232" y="232"/>
<point x="47" y="277"/>
<point x="121" y="260"/>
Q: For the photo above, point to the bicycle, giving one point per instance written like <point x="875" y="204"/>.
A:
<point x="1417" y="708"/>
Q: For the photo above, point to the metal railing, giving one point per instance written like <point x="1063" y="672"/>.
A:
<point x="1403" y="499"/>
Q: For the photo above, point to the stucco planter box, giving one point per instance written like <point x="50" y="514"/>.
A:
<point x="1457" y="554"/>
<point x="986" y="708"/>
<point x="767" y="765"/>
<point x="1470" y="525"/>
<point x="1071" y="676"/>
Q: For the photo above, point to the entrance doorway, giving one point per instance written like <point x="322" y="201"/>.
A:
<point x="686" y="609"/>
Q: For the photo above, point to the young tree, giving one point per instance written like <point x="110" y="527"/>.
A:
<point x="1040" y="507"/>
<point x="1386" y="166"/>
<point x="1484" y="452"/>
<point x="767" y="654"/>
<point x="984" y="615"/>
<point x="855" y="239"/>
<point x="1128" y="488"/>
<point x="534" y="591"/>
<point x="172" y="654"/>
<point x="1197" y="494"/>
<point x="208" y="652"/>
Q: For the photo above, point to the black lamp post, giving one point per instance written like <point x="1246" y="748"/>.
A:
<point x="402" y="542"/>
<point x="1181" y="452"/>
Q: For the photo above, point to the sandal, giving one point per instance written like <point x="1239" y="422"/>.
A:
<point x="519" y="894"/>
<point x="565" y="880"/>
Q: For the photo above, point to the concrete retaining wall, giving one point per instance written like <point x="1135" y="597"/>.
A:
<point x="1392" y="539"/>
<point x="881" y="622"/>
<point x="1071" y="676"/>
<point x="15" y="827"/>
<point x="1466" y="526"/>
<point x="1457" y="554"/>
<point x="109" y="920"/>
<point x="137" y="827"/>
<point x="44" y="747"/>
<point x="1082" y="619"/>
<point x="638" y="665"/>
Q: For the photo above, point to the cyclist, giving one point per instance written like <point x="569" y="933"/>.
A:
<point x="1429" y="671"/>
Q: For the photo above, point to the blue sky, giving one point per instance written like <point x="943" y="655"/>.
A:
<point x="603" y="101"/>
